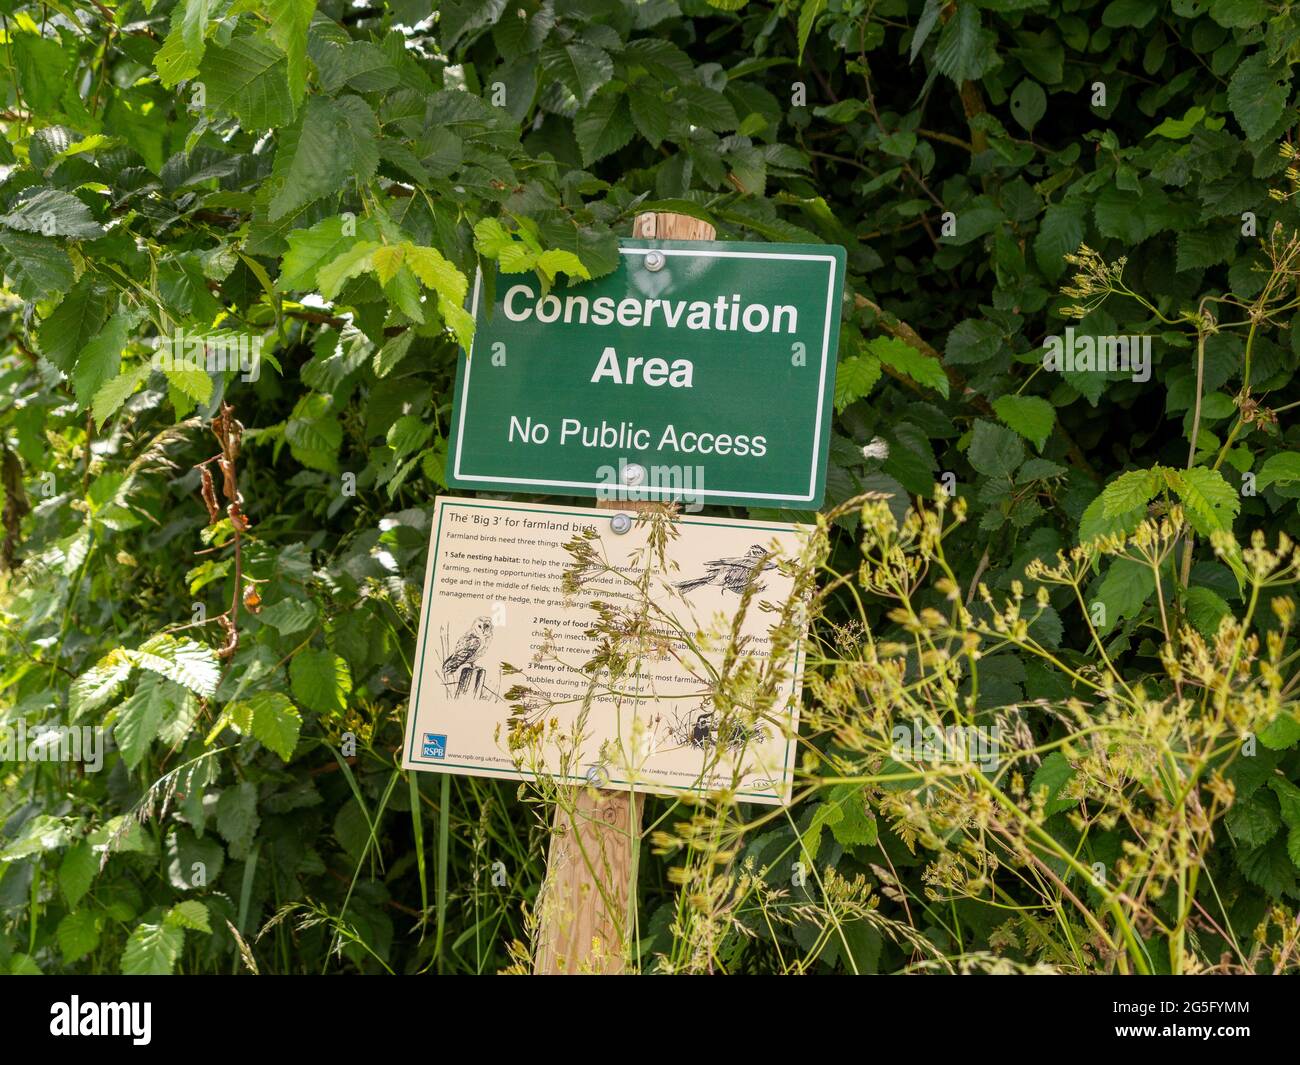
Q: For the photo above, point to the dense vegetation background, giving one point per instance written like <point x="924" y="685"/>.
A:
<point x="227" y="571"/>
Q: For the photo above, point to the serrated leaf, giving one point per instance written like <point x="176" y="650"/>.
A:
<point x="53" y="213"/>
<point x="1280" y="468"/>
<point x="603" y="126"/>
<point x="582" y="68"/>
<point x="321" y="681"/>
<point x="1031" y="416"/>
<point x="153" y="950"/>
<point x="854" y="378"/>
<point x="112" y="394"/>
<point x="78" y="935"/>
<point x="332" y="141"/>
<point x="140" y="717"/>
<point x="191" y="914"/>
<point x="352" y="263"/>
<point x="249" y="79"/>
<point x="77" y="872"/>
<point x="994" y="451"/>
<point x="921" y="368"/>
<point x="271" y="719"/>
<point x="1129" y="492"/>
<point x="237" y="816"/>
<point x="78" y="317"/>
<point x="95" y="687"/>
<point x="1209" y="501"/>
<point x="1258" y="93"/>
<point x="189" y="664"/>
<point x="38" y="266"/>
<point x="966" y="50"/>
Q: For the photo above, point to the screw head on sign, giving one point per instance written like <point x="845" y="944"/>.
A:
<point x="620" y="523"/>
<point x="633" y="474"/>
<point x="654" y="261"/>
<point x="597" y="775"/>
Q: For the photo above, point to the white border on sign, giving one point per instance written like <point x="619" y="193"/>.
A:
<point x="821" y="385"/>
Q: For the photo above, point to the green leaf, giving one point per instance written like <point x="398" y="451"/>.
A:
<point x="37" y="266"/>
<point x="994" y="451"/>
<point x="276" y="724"/>
<point x="101" y="358"/>
<point x="1030" y="416"/>
<point x="153" y="950"/>
<point x="141" y="716"/>
<point x="237" y="817"/>
<point x="332" y="141"/>
<point x="77" y="872"/>
<point x="355" y="261"/>
<point x="1258" y="94"/>
<point x="179" y="57"/>
<point x="288" y="616"/>
<point x="189" y="664"/>
<point x="921" y="368"/>
<point x="53" y="213"/>
<point x="1028" y="104"/>
<point x="78" y="935"/>
<point x="855" y="827"/>
<point x="1255" y="821"/>
<point x="1280" y="468"/>
<point x="582" y="68"/>
<point x="1129" y="492"/>
<point x="191" y="914"/>
<point x="1209" y="501"/>
<point x="854" y="378"/>
<point x="1205" y="609"/>
<point x="966" y="50"/>
<point x="808" y="14"/>
<point x="99" y="684"/>
<point x="650" y="112"/>
<point x="289" y="22"/>
<point x="321" y="681"/>
<point x="249" y="79"/>
<point x="603" y="126"/>
<point x="972" y="341"/>
<point x="1178" y="128"/>
<point x="112" y="394"/>
<point x="1049" y="781"/>
<point x="1124" y="591"/>
<point x="38" y="835"/>
<point x="78" y="317"/>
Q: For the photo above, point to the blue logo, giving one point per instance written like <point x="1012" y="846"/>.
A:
<point x="435" y="745"/>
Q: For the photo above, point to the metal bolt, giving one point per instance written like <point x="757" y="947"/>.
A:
<point x="633" y="474"/>
<point x="654" y="261"/>
<point x="597" y="775"/>
<point x="620" y="523"/>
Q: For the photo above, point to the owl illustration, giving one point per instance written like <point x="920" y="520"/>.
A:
<point x="469" y="648"/>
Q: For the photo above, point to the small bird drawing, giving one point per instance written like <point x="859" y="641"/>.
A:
<point x="733" y="574"/>
<point x="469" y="648"/>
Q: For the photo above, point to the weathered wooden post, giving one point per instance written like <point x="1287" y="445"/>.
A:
<point x="591" y="866"/>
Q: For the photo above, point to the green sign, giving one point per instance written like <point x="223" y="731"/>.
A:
<point x="699" y="371"/>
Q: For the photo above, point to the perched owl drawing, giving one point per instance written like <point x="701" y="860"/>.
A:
<point x="468" y="650"/>
<point x="733" y="574"/>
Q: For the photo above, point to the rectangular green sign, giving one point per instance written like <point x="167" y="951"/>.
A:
<point x="698" y="370"/>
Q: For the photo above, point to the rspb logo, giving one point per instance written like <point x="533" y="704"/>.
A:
<point x="435" y="745"/>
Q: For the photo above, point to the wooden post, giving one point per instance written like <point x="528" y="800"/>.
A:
<point x="583" y="905"/>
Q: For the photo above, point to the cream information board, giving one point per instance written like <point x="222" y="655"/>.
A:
<point x="505" y="685"/>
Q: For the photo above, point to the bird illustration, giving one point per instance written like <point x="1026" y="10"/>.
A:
<point x="734" y="574"/>
<point x="468" y="648"/>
